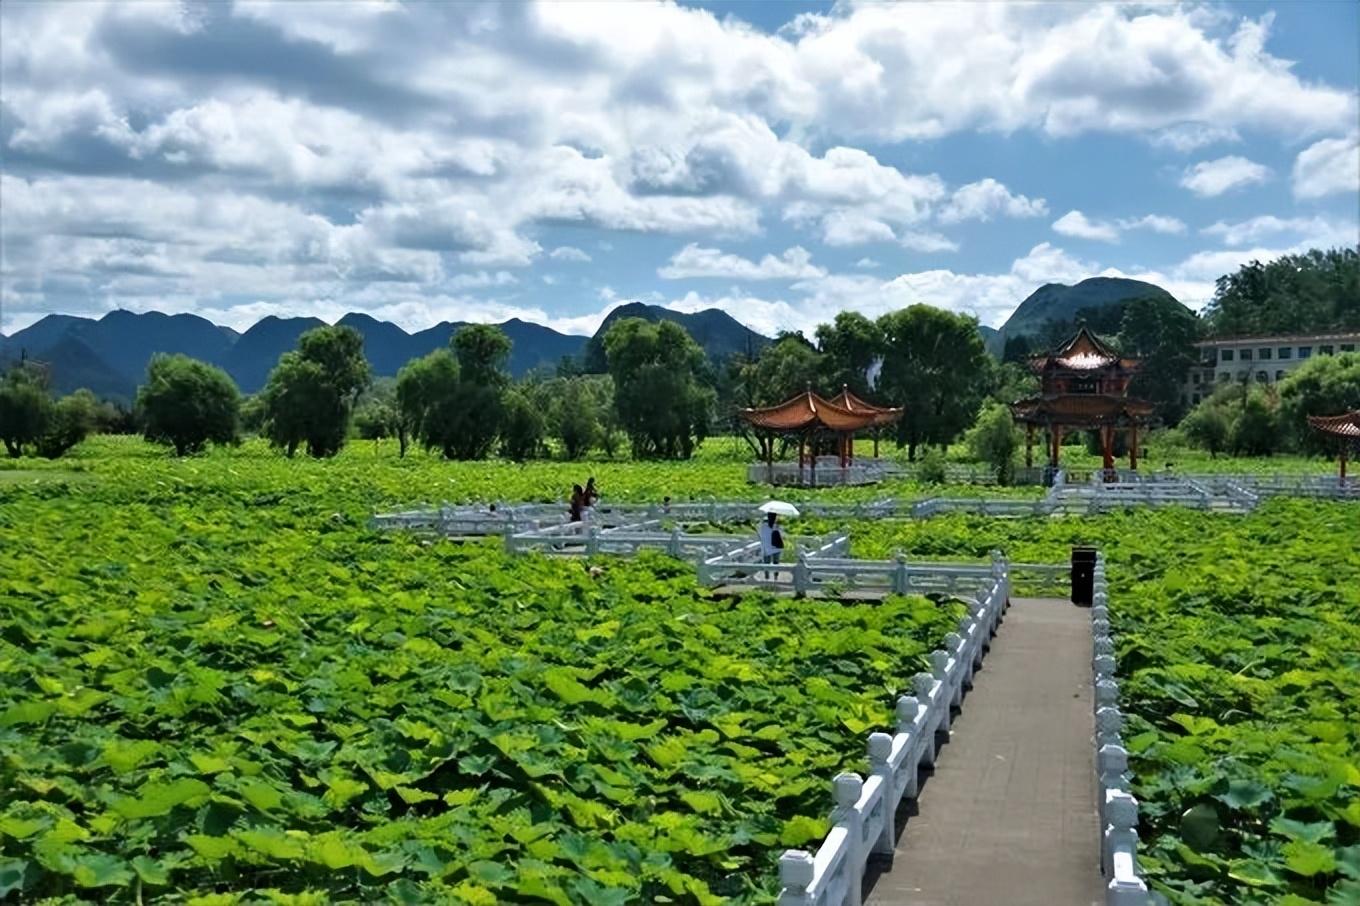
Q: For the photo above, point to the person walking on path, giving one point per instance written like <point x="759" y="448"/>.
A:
<point x="577" y="503"/>
<point x="589" y="497"/>
<point x="771" y="541"/>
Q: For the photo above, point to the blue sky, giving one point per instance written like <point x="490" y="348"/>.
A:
<point x="439" y="161"/>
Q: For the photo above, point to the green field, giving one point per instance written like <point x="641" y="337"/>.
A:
<point x="217" y="685"/>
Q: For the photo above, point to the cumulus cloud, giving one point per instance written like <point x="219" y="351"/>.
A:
<point x="988" y="198"/>
<point x="1319" y="232"/>
<point x="695" y="261"/>
<point x="1075" y="223"/>
<point x="1214" y="177"/>
<point x="1328" y="167"/>
<point x="568" y="253"/>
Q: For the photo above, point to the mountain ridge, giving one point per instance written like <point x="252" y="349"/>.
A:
<point x="111" y="352"/>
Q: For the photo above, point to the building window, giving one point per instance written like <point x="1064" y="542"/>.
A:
<point x="1324" y="350"/>
<point x="1348" y="347"/>
<point x="1246" y="355"/>
<point x="1223" y="376"/>
<point x="1305" y="351"/>
<point x="1262" y="377"/>
<point x="1225" y="355"/>
<point x="1284" y="353"/>
<point x="1195" y="399"/>
<point x="1265" y="353"/>
<point x="1194" y="377"/>
<point x="1279" y="376"/>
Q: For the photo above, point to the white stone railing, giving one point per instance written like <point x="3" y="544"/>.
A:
<point x="1118" y="807"/>
<point x="829" y="476"/>
<point x="745" y="563"/>
<point x="862" y="822"/>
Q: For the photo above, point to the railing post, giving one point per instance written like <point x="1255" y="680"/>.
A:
<point x="848" y="788"/>
<point x="908" y="709"/>
<point x="674" y="548"/>
<point x="592" y="541"/>
<point x="797" y="870"/>
<point x="923" y="685"/>
<point x="802" y="575"/>
<point x="509" y="537"/>
<point x="901" y="579"/>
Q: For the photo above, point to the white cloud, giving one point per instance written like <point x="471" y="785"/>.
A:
<point x="866" y="263"/>
<point x="1157" y="223"/>
<point x="1187" y="137"/>
<point x="1074" y="223"/>
<point x="568" y="253"/>
<point x="696" y="261"/>
<point x="988" y="198"/>
<point x="1328" y="167"/>
<point x="1318" y="232"/>
<point x="845" y="228"/>
<point x="1214" y="177"/>
<point x="925" y="241"/>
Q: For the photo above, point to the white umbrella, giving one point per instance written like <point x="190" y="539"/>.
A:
<point x="779" y="507"/>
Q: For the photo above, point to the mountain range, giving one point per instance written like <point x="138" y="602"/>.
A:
<point x="109" y="355"/>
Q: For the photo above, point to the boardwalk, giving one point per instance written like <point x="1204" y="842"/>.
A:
<point x="1009" y="814"/>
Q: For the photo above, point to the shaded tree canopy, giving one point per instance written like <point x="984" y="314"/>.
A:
<point x="312" y="390"/>
<point x="661" y="399"/>
<point x="187" y="404"/>
<point x="1315" y="291"/>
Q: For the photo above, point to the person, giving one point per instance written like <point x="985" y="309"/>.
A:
<point x="577" y="503"/>
<point x="592" y="493"/>
<point x="771" y="541"/>
<point x="666" y="504"/>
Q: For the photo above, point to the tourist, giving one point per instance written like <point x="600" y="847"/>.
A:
<point x="589" y="497"/>
<point x="577" y="504"/>
<point x="771" y="541"/>
<point x="666" y="504"/>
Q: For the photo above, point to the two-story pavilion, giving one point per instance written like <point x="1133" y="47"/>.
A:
<point x="1083" y="386"/>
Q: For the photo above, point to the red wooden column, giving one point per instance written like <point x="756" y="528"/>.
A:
<point x="1057" y="444"/>
<point x="1029" y="446"/>
<point x="1133" y="448"/>
<point x="1342" y="462"/>
<point x="1107" y="447"/>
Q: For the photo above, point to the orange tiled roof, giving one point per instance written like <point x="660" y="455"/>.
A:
<point x="1346" y="425"/>
<point x="883" y="415"/>
<point x="805" y="411"/>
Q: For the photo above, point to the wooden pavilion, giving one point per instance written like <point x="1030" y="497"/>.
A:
<point x="1344" y="427"/>
<point x="811" y="418"/>
<point x="1083" y="386"/>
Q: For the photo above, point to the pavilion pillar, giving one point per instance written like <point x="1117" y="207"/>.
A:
<point x="1057" y="445"/>
<point x="876" y="443"/>
<point x="1029" y="446"/>
<point x="1342" y="462"/>
<point x="1133" y="447"/>
<point x="1107" y="449"/>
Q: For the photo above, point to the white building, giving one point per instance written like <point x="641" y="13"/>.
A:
<point x="1263" y="360"/>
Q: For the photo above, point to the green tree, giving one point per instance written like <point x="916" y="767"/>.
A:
<point x="661" y="400"/>
<point x="1315" y="291"/>
<point x="187" y="403"/>
<point x="573" y="417"/>
<point x="785" y="368"/>
<point x="936" y="367"/>
<point x="1208" y="426"/>
<point x="427" y="395"/>
<point x="25" y="407"/>
<point x="375" y="415"/>
<point x="522" y="427"/>
<point x="1255" y="431"/>
<point x="1324" y="385"/>
<point x="849" y="346"/>
<point x="311" y="392"/>
<point x="1162" y="332"/>
<point x="994" y="439"/>
<point x="72" y="420"/>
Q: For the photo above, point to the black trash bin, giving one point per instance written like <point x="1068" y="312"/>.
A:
<point x="1083" y="575"/>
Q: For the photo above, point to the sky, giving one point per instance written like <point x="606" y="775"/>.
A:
<point x="433" y="161"/>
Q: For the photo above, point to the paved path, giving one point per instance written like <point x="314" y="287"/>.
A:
<point x="1008" y="817"/>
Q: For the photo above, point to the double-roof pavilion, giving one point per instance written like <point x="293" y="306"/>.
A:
<point x="809" y="416"/>
<point x="1345" y="427"/>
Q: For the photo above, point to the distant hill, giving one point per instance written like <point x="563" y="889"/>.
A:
<point x="720" y="334"/>
<point x="109" y="355"/>
<point x="1059" y="304"/>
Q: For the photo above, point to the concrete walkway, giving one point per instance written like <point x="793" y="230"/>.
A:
<point x="1009" y="814"/>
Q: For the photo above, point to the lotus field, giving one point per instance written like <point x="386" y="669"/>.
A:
<point x="217" y="685"/>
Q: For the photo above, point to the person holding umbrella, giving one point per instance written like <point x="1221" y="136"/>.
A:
<point x="771" y="539"/>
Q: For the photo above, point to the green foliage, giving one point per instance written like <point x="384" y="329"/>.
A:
<point x="936" y="367"/>
<point x="995" y="440"/>
<point x="1325" y="385"/>
<point x="1162" y="332"/>
<point x="214" y="677"/>
<point x="483" y="350"/>
<point x="187" y="403"/>
<point x="312" y="390"/>
<point x="427" y="400"/>
<point x="849" y="345"/>
<point x="658" y="393"/>
<point x="1316" y="291"/>
<point x="1208" y="426"/>
<point x="784" y="369"/>
<point x="1254" y="430"/>
<point x="522" y="428"/>
<point x="72" y="419"/>
<point x="25" y="408"/>
<point x="574" y="406"/>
